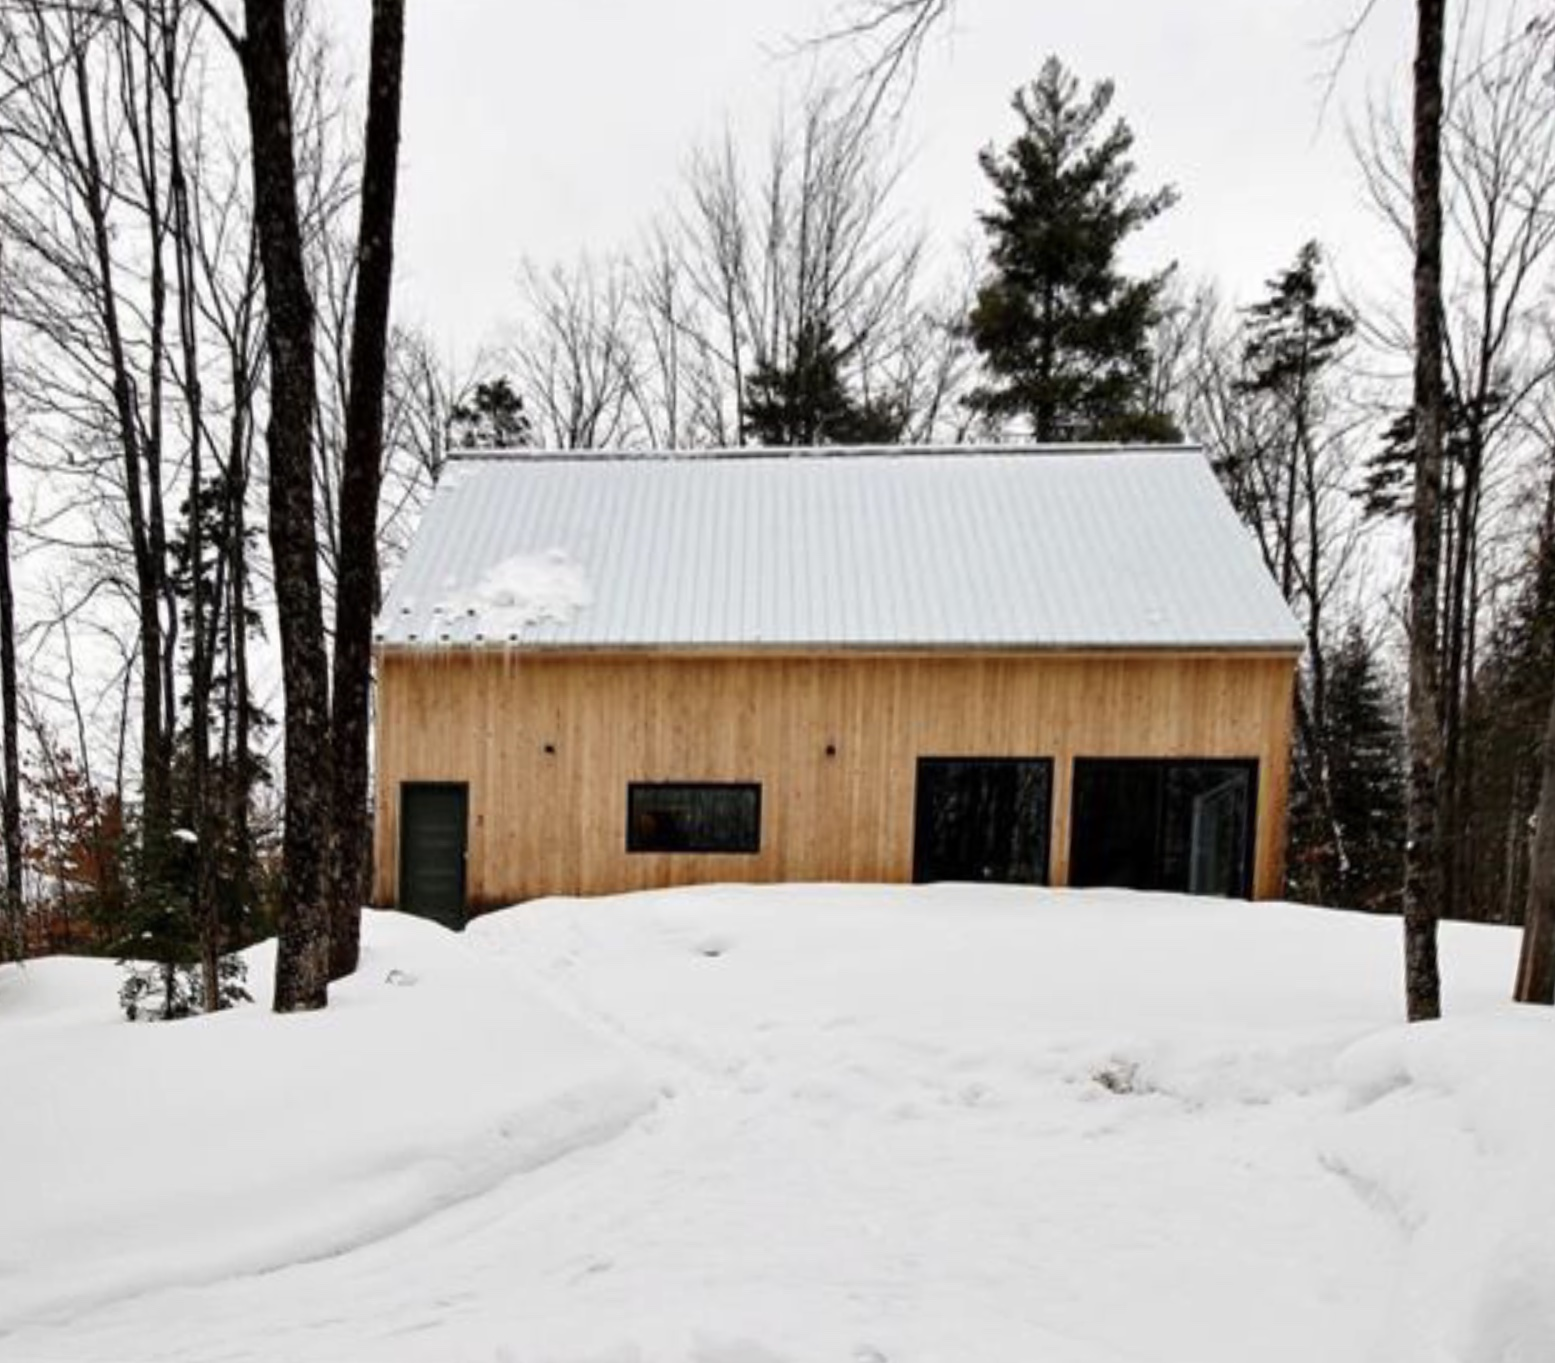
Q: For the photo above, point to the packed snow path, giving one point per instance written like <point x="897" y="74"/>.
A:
<point x="929" y="1126"/>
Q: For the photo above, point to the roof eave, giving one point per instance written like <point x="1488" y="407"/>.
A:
<point x="1278" y="647"/>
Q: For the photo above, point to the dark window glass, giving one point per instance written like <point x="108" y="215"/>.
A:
<point x="1156" y="824"/>
<point x="693" y="817"/>
<point x="983" y="819"/>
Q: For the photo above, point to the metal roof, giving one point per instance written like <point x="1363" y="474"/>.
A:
<point x="1062" y="547"/>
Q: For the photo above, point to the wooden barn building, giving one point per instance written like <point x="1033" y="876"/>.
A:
<point x="1060" y="666"/>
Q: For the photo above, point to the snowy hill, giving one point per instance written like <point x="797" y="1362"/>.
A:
<point x="740" y="1125"/>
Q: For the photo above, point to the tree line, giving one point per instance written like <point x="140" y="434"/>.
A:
<point x="219" y="438"/>
<point x="162" y="253"/>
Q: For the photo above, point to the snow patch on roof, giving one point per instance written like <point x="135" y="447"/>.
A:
<point x="518" y="593"/>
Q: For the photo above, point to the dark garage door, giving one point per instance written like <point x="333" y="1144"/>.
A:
<point x="982" y="819"/>
<point x="433" y="823"/>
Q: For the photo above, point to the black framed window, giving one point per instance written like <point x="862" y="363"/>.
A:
<point x="1164" y="824"/>
<point x="983" y="819"/>
<point x="693" y="816"/>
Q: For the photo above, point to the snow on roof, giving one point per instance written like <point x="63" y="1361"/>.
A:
<point x="990" y="547"/>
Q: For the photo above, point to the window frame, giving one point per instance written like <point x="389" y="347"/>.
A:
<point x="634" y="845"/>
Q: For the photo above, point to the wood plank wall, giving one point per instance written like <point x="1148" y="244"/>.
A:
<point x="554" y="822"/>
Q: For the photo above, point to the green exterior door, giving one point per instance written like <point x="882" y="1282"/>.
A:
<point x="434" y="822"/>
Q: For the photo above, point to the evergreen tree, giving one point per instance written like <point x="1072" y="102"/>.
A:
<point x="1366" y="757"/>
<point x="1388" y="489"/>
<point x="1292" y="337"/>
<point x="491" y="418"/>
<point x="804" y="400"/>
<point x="159" y="937"/>
<point x="1064" y="335"/>
<point x="1290" y="343"/>
<point x="210" y="880"/>
<point x="1515" y="687"/>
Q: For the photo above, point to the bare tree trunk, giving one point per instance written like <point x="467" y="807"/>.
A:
<point x="1456" y="674"/>
<point x="140" y="93"/>
<point x="360" y="482"/>
<point x="206" y="905"/>
<point x="1536" y="968"/>
<point x="302" y="964"/>
<point x="150" y="566"/>
<point x="1422" y="978"/>
<point x="1512" y="853"/>
<point x="11" y="795"/>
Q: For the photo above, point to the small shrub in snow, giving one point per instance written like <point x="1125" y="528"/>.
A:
<point x="166" y="991"/>
<point x="159" y="940"/>
<point x="156" y="991"/>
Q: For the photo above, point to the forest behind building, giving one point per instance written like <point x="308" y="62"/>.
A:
<point x="780" y="296"/>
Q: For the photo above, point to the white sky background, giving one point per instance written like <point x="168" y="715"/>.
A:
<point x="544" y="130"/>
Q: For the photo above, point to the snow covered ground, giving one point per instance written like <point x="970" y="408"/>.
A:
<point x="792" y="1125"/>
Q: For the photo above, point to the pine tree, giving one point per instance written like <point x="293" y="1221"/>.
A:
<point x="1292" y="336"/>
<point x="1366" y="756"/>
<point x="1291" y="341"/>
<point x="491" y="418"/>
<point x="235" y="770"/>
<point x="1388" y="489"/>
<point x="1515" y="687"/>
<point x="1065" y="336"/>
<point x="804" y="400"/>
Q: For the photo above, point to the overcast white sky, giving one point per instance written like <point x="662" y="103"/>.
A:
<point x="539" y="130"/>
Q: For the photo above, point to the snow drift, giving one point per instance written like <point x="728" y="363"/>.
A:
<point x="1449" y="1138"/>
<point x="924" y="1125"/>
<point x="143" y="1156"/>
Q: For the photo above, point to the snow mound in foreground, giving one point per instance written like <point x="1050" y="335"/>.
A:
<point x="1449" y="1136"/>
<point x="910" y="1124"/>
<point x="182" y="1153"/>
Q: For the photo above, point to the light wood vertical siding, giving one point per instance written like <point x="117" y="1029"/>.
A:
<point x="555" y="822"/>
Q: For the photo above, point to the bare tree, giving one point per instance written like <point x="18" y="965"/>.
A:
<point x="575" y="355"/>
<point x="361" y="484"/>
<point x="1536" y="965"/>
<point x="1267" y="393"/>
<point x="888" y="38"/>
<point x="82" y="123"/>
<point x="302" y="963"/>
<point x="424" y="392"/>
<point x="10" y="792"/>
<point x="1498" y="150"/>
<point x="761" y="259"/>
<point x="325" y="818"/>
<point x="1422" y="879"/>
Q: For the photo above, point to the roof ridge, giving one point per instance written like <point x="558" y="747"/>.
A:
<point x="820" y="453"/>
